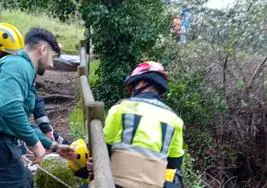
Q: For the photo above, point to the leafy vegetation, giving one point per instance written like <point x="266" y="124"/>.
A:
<point x="77" y="129"/>
<point x="93" y="71"/>
<point x="59" y="168"/>
<point x="191" y="177"/>
<point x="122" y="32"/>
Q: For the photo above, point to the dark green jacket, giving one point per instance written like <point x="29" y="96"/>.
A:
<point x="17" y="98"/>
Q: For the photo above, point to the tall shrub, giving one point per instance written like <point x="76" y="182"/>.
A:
<point x="123" y="32"/>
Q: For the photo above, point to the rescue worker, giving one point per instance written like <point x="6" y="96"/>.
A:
<point x="176" y="24"/>
<point x="8" y="47"/>
<point x="17" y="98"/>
<point x="144" y="135"/>
<point x="176" y="27"/>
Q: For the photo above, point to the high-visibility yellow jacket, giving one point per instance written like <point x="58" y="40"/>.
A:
<point x="146" y="126"/>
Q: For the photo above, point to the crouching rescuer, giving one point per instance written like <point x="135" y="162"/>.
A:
<point x="144" y="135"/>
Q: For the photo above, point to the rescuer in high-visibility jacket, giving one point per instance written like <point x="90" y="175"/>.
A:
<point x="144" y="135"/>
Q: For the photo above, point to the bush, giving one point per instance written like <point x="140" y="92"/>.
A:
<point x="191" y="177"/>
<point x="189" y="93"/>
<point x="59" y="168"/>
<point x="123" y="31"/>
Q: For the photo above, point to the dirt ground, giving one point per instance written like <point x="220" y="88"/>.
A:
<point x="58" y="89"/>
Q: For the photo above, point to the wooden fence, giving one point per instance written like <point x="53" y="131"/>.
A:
<point x="93" y="114"/>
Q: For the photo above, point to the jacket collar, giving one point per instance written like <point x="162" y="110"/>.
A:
<point x="148" y="95"/>
<point x="24" y="54"/>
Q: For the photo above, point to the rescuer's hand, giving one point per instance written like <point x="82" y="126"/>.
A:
<point x="65" y="151"/>
<point x="37" y="149"/>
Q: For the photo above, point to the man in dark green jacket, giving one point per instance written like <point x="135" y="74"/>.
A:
<point x="17" y="101"/>
<point x="12" y="45"/>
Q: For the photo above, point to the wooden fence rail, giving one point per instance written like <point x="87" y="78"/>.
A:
<point x="93" y="114"/>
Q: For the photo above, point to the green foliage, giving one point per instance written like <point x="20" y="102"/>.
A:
<point x="59" y="168"/>
<point x="93" y="68"/>
<point x="201" y="146"/>
<point x="191" y="177"/>
<point x="62" y="9"/>
<point x="76" y="123"/>
<point x="122" y="32"/>
<point x="185" y="96"/>
<point x="188" y="96"/>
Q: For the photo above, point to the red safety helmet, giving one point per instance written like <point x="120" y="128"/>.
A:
<point x="150" y="71"/>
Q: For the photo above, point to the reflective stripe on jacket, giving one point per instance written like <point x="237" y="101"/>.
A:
<point x="145" y="126"/>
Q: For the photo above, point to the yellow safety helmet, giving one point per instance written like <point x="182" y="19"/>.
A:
<point x="80" y="148"/>
<point x="11" y="39"/>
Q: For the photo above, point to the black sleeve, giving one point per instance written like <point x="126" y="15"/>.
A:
<point x="45" y="127"/>
<point x="109" y="150"/>
<point x="82" y="173"/>
<point x="39" y="110"/>
<point x="40" y="115"/>
<point x="174" y="163"/>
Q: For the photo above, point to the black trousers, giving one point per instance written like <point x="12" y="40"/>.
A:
<point x="12" y="171"/>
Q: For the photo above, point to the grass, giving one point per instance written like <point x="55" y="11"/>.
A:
<point x="68" y="35"/>
<point x="93" y="67"/>
<point x="76" y="123"/>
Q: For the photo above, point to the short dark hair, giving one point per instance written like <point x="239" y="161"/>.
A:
<point x="35" y="35"/>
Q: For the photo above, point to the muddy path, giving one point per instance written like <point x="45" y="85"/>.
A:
<point x="58" y="87"/>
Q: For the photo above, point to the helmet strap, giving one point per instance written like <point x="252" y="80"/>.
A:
<point x="2" y="54"/>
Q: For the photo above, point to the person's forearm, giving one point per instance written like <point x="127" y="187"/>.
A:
<point x="18" y="122"/>
<point x="46" y="142"/>
<point x="37" y="149"/>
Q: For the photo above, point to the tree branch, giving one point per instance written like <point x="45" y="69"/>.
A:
<point x="257" y="71"/>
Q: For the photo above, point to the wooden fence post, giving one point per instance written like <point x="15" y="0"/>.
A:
<point x="83" y="70"/>
<point x="96" y="110"/>
<point x="93" y="112"/>
<point x="102" y="169"/>
<point x="83" y="60"/>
